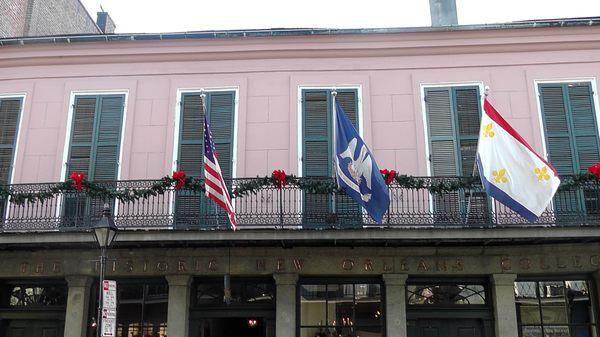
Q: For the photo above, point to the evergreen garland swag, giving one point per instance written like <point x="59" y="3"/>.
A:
<point x="252" y="185"/>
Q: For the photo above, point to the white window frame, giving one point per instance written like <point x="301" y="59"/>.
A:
<point x="300" y="137"/>
<point x="73" y="94"/>
<point x="178" y="100"/>
<point x="424" y="86"/>
<point x="23" y="97"/>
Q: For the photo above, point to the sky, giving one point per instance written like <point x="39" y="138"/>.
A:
<point x="150" y="16"/>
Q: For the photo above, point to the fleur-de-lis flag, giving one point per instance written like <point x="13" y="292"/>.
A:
<point x="510" y="170"/>
<point x="357" y="171"/>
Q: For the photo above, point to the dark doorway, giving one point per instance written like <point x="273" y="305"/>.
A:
<point x="228" y="327"/>
<point x="446" y="328"/>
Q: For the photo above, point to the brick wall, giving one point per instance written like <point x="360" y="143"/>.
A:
<point x="12" y="17"/>
<point x="44" y="17"/>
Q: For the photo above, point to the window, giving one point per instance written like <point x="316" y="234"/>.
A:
<point x="571" y="131"/>
<point x="94" y="150"/>
<point x="554" y="309"/>
<point x="193" y="209"/>
<point x="10" y="109"/>
<point x="344" y="309"/>
<point x="142" y="309"/>
<point x="26" y="296"/>
<point x="245" y="293"/>
<point x="453" y="117"/>
<point x="447" y="294"/>
<point x="317" y="157"/>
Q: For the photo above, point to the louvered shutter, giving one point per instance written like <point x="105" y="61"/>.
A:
<point x="10" y="109"/>
<point x="191" y="208"/>
<point x="317" y="154"/>
<point x="80" y="154"/>
<point x="468" y="113"/>
<point x="572" y="138"/>
<point x="108" y="137"/>
<point x="443" y="150"/>
<point x="9" y="120"/>
<point x="221" y="110"/>
<point x="349" y="213"/>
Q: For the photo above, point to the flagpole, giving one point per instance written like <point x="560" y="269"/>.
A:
<point x="203" y="98"/>
<point x="475" y="168"/>
<point x="334" y="147"/>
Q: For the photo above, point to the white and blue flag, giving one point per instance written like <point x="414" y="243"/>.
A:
<point x="357" y="171"/>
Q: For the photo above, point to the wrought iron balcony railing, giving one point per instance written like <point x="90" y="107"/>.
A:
<point x="292" y="208"/>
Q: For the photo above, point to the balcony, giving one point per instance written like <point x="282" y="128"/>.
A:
<point x="422" y="205"/>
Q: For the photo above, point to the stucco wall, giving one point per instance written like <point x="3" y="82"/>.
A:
<point x="389" y="69"/>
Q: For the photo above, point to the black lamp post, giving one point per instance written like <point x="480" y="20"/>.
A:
<point x="105" y="232"/>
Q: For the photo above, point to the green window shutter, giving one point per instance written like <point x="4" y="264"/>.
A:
<point x="317" y="131"/>
<point x="108" y="137"/>
<point x="96" y="136"/>
<point x="317" y="128"/>
<point x="221" y="109"/>
<point x="453" y="121"/>
<point x="191" y="149"/>
<point x="192" y="208"/>
<point x="585" y="128"/>
<point x="571" y="138"/>
<point x="442" y="135"/>
<point x="559" y="144"/>
<point x="10" y="109"/>
<point x="468" y="113"/>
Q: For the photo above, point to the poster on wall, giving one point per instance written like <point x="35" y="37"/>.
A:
<point x="109" y="308"/>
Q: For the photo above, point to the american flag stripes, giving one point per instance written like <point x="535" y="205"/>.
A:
<point x="216" y="190"/>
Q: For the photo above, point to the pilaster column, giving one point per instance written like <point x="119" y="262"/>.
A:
<point x="78" y="301"/>
<point x="285" y="317"/>
<point x="395" y="304"/>
<point x="596" y="276"/>
<point x="505" y="311"/>
<point x="178" y="312"/>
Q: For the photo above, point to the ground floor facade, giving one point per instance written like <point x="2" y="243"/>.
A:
<point x="480" y="291"/>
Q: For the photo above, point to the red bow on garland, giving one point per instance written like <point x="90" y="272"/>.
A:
<point x="78" y="178"/>
<point x="280" y="177"/>
<point x="595" y="170"/>
<point x="388" y="175"/>
<point x="179" y="177"/>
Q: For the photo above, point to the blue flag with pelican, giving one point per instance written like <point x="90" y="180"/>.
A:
<point x="356" y="170"/>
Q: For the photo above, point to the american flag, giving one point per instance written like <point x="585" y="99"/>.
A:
<point x="216" y="190"/>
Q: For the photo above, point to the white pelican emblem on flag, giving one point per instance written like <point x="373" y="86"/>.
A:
<point x="359" y="168"/>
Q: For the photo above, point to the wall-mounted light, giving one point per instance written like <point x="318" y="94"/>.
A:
<point x="252" y="323"/>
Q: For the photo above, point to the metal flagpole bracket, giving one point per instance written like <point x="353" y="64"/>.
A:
<point x="486" y="90"/>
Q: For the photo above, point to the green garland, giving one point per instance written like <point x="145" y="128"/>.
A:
<point x="251" y="186"/>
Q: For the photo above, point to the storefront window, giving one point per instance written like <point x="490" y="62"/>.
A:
<point x="332" y="309"/>
<point x="554" y="309"/>
<point x="142" y="309"/>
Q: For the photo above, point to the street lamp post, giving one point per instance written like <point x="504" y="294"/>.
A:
<point x="105" y="232"/>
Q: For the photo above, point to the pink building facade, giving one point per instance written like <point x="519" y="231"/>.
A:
<point x="393" y="77"/>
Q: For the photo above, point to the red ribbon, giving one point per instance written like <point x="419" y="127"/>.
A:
<point x="78" y="178"/>
<point x="280" y="177"/>
<point x="179" y="177"/>
<point x="595" y="170"/>
<point x="388" y="175"/>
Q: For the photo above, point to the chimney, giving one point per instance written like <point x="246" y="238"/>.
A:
<point x="443" y="13"/>
<point x="105" y="23"/>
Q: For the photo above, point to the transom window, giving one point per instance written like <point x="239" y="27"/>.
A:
<point x="244" y="292"/>
<point x="28" y="296"/>
<point x="446" y="294"/>
<point x="344" y="309"/>
<point x="555" y="309"/>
